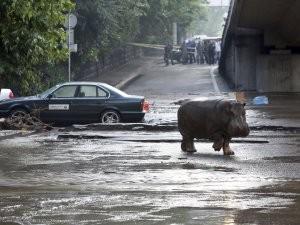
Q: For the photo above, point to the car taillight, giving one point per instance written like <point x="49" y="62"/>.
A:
<point x="11" y="95"/>
<point x="145" y="106"/>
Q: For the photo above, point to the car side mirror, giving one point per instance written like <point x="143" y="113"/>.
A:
<point x="49" y="96"/>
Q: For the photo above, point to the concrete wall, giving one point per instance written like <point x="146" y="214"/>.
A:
<point x="117" y="58"/>
<point x="240" y="62"/>
<point x="229" y="64"/>
<point x="247" y="49"/>
<point x="152" y="52"/>
<point x="278" y="73"/>
<point x="263" y="39"/>
<point x="247" y="69"/>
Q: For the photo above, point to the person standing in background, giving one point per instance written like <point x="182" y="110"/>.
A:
<point x="200" y="52"/>
<point x="218" y="51"/>
<point x="211" y="53"/>
<point x="184" y="51"/>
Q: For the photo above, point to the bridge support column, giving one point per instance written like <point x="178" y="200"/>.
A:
<point x="174" y="33"/>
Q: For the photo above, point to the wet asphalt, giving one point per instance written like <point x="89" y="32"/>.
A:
<point x="138" y="176"/>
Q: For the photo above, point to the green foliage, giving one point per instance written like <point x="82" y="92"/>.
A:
<point x="53" y="74"/>
<point x="103" y="25"/>
<point x="32" y="38"/>
<point x="31" y="34"/>
<point x="213" y="25"/>
<point x="162" y="13"/>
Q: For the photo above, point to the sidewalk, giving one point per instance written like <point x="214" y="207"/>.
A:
<point x="123" y="75"/>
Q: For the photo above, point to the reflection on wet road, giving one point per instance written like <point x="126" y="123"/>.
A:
<point x="45" y="180"/>
<point x="141" y="177"/>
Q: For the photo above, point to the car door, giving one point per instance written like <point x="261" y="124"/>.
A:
<point x="89" y="102"/>
<point x="58" y="107"/>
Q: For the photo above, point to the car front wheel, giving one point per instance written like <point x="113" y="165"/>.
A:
<point x="18" y="113"/>
<point x="110" y="116"/>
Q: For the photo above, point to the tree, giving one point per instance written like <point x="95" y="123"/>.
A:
<point x="31" y="34"/>
<point x="32" y="38"/>
<point x="213" y="25"/>
<point x="157" y="23"/>
<point x="104" y="25"/>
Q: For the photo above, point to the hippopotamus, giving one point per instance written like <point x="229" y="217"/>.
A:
<point x="218" y="120"/>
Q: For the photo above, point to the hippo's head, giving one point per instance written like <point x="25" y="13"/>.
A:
<point x="237" y="125"/>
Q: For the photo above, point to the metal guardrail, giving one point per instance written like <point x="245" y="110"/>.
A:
<point x="155" y="46"/>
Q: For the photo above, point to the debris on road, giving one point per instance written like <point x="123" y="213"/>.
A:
<point x="148" y="138"/>
<point x="24" y="122"/>
<point x="261" y="100"/>
<point x="181" y="102"/>
<point x="121" y="126"/>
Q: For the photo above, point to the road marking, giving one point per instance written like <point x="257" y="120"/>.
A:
<point x="216" y="87"/>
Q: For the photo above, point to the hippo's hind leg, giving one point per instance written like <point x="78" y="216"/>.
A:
<point x="187" y="144"/>
<point x="183" y="144"/>
<point x="218" y="142"/>
<point x="226" y="148"/>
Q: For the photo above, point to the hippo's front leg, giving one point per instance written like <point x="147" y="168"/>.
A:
<point x="226" y="147"/>
<point x="187" y="144"/>
<point x="218" y="142"/>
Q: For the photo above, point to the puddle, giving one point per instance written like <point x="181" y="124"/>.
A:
<point x="119" y="182"/>
<point x="284" y="159"/>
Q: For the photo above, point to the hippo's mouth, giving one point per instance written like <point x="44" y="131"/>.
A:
<point x="236" y="132"/>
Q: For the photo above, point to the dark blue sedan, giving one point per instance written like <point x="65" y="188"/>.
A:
<point x="79" y="102"/>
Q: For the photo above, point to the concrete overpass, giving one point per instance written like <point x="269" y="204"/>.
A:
<point x="261" y="45"/>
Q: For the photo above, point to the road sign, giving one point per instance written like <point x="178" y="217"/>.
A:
<point x="73" y="48"/>
<point x="71" y="21"/>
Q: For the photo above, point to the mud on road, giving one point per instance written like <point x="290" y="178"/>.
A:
<point x="137" y="174"/>
<point x="49" y="180"/>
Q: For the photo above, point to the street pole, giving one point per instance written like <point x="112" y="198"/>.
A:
<point x="174" y="33"/>
<point x="70" y="23"/>
<point x="69" y="40"/>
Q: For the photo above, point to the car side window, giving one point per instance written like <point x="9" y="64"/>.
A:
<point x="65" y="92"/>
<point x="102" y="93"/>
<point x="87" y="91"/>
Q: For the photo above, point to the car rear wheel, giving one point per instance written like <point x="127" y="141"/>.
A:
<point x="18" y="113"/>
<point x="110" y="116"/>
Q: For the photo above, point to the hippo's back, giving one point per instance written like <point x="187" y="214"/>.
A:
<point x="198" y="118"/>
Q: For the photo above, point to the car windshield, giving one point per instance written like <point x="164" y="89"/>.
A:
<point x="117" y="91"/>
<point x="47" y="92"/>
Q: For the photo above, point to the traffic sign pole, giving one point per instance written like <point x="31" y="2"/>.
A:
<point x="70" y="23"/>
<point x="69" y="39"/>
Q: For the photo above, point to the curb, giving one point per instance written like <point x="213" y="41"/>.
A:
<point x="132" y="77"/>
<point x="156" y="127"/>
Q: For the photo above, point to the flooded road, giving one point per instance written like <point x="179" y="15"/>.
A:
<point x="46" y="180"/>
<point x="139" y="176"/>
